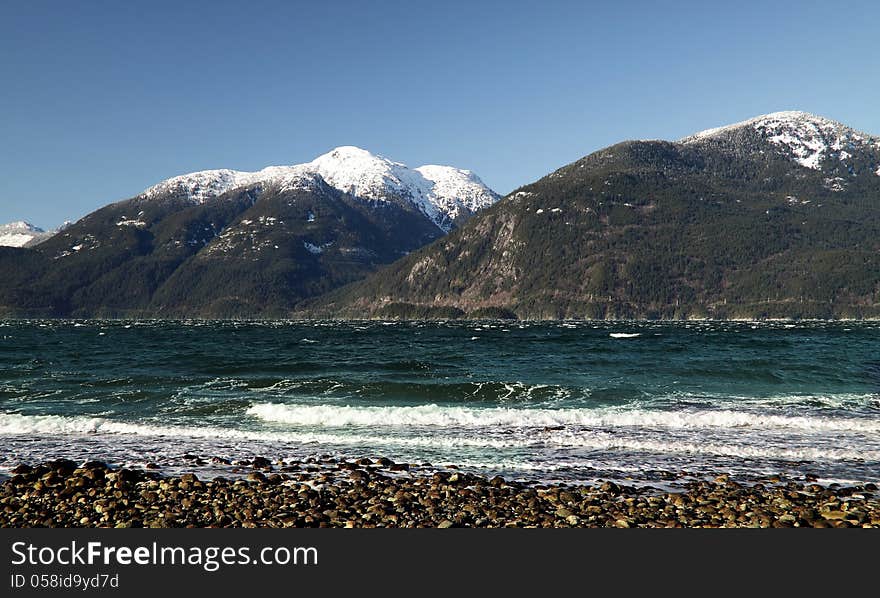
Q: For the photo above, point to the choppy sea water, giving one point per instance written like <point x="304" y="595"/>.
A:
<point x="567" y="401"/>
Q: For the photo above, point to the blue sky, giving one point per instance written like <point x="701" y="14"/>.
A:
<point x="100" y="100"/>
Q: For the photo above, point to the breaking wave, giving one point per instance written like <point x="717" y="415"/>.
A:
<point x="456" y="416"/>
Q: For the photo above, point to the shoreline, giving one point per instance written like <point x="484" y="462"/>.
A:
<point x="296" y="319"/>
<point x="380" y="493"/>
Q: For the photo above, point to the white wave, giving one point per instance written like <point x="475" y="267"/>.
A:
<point x="829" y="401"/>
<point x="625" y="334"/>
<point x="776" y="447"/>
<point x="487" y="417"/>
<point x="757" y="450"/>
<point x="36" y="425"/>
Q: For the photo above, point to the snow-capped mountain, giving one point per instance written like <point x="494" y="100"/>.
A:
<point x="777" y="216"/>
<point x="234" y="243"/>
<point x="812" y="141"/>
<point x="443" y="193"/>
<point x="22" y="234"/>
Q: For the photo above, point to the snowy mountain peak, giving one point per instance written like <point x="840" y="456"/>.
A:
<point x="21" y="225"/>
<point x="348" y="152"/>
<point x="458" y="190"/>
<point x="360" y="173"/>
<point x="443" y="193"/>
<point x="21" y="233"/>
<point x="200" y="186"/>
<point x="806" y="138"/>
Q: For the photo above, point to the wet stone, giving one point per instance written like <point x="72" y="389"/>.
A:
<point x="261" y="463"/>
<point x="344" y="494"/>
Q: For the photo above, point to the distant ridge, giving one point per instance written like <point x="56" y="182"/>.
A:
<point x="22" y="234"/>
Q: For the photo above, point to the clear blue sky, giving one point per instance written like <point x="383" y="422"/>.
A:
<point x="99" y="100"/>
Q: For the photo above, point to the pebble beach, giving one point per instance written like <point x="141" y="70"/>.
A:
<point x="380" y="493"/>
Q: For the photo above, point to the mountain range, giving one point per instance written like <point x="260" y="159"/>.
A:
<point x="777" y="216"/>
<point x="230" y="243"/>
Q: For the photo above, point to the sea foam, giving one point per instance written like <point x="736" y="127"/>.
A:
<point x="433" y="415"/>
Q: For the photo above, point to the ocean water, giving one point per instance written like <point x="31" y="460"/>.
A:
<point x="639" y="402"/>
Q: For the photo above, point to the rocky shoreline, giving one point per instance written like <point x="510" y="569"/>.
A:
<point x="380" y="493"/>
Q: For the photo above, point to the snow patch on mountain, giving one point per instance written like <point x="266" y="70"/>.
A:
<point x="204" y="185"/>
<point x="443" y="193"/>
<point x="457" y="192"/>
<point x="200" y="186"/>
<point x="359" y="173"/>
<point x="806" y="138"/>
<point x="316" y="249"/>
<point x="22" y="234"/>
